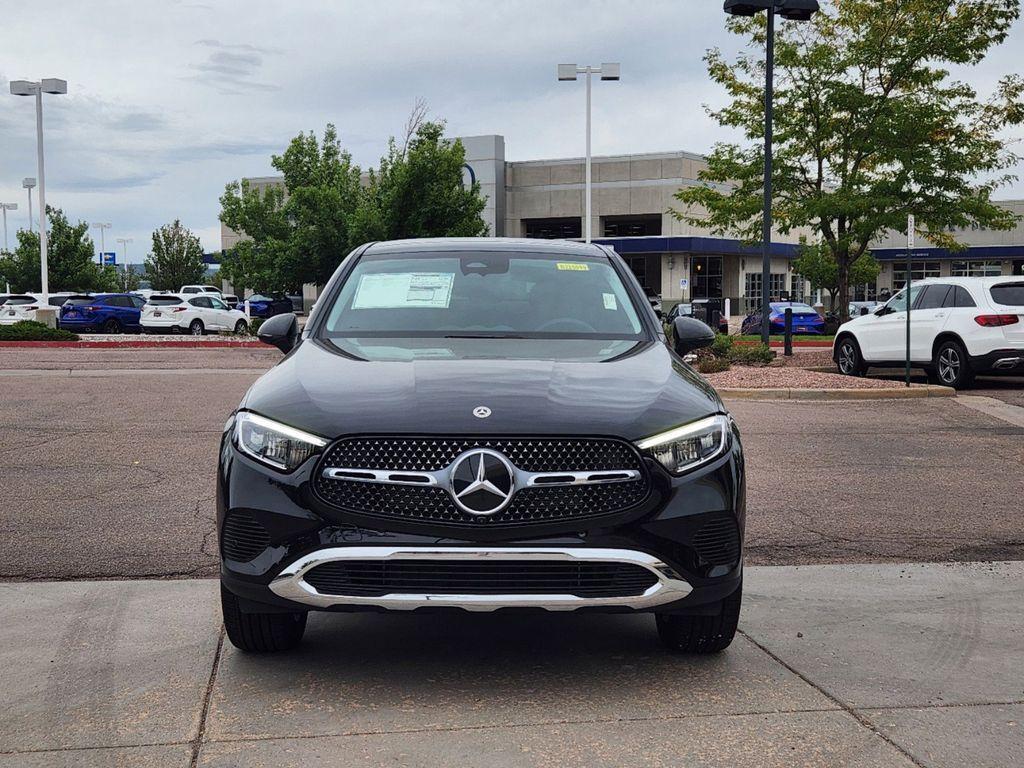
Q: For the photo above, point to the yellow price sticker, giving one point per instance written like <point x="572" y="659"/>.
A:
<point x="567" y="266"/>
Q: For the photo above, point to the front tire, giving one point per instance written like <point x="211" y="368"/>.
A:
<point x="112" y="326"/>
<point x="702" y="634"/>
<point x="260" y="632"/>
<point x="951" y="366"/>
<point x="196" y="328"/>
<point x="849" y="360"/>
<point x="241" y="327"/>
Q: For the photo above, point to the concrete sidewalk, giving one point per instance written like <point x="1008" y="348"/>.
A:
<point x="873" y="665"/>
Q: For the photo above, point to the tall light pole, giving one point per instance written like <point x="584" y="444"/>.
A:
<point x="28" y="183"/>
<point x="569" y="72"/>
<point x="103" y="246"/>
<point x="28" y="88"/>
<point x="124" y="242"/>
<point x="793" y="10"/>
<point x="7" y="207"/>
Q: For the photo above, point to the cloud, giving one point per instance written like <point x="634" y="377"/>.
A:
<point x="231" y="67"/>
<point x="136" y="122"/>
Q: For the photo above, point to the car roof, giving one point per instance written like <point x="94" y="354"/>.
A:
<point x="970" y="281"/>
<point x="509" y="244"/>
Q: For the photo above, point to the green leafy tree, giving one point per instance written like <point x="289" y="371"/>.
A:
<point x="418" y="191"/>
<point x="176" y="258"/>
<point x="299" y="234"/>
<point x="70" y="259"/>
<point x="818" y="265"/>
<point x="869" y="127"/>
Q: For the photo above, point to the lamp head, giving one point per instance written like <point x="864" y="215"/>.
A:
<point x="54" y="85"/>
<point x="24" y="87"/>
<point x="746" y="7"/>
<point x="798" y="10"/>
<point x="28" y="182"/>
<point x="610" y="71"/>
<point x="566" y="71"/>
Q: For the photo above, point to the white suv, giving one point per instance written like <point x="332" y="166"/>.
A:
<point x="167" y="313"/>
<point x="959" y="326"/>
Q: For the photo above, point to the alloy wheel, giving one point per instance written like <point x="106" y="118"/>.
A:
<point x="949" y="365"/>
<point x="847" y="358"/>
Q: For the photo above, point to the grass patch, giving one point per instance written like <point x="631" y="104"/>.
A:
<point x="29" y="330"/>
<point x="797" y="337"/>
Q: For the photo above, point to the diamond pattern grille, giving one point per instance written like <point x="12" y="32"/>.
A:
<point x="528" y="505"/>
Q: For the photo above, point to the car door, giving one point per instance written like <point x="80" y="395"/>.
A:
<point x="222" y="313"/>
<point x="203" y="309"/>
<point x="134" y="312"/>
<point x="927" y="319"/>
<point x="883" y="338"/>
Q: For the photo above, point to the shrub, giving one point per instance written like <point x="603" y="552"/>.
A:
<point x="713" y="365"/>
<point x="759" y="354"/>
<point x="722" y="346"/>
<point x="29" y="330"/>
<point x="254" y="325"/>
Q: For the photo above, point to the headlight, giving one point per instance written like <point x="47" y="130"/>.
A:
<point x="687" y="447"/>
<point x="274" y="444"/>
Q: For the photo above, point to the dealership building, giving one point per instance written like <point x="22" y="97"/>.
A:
<point x="632" y="195"/>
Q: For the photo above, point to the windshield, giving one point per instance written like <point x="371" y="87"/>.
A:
<point x="483" y="295"/>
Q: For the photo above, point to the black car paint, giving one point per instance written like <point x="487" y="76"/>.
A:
<point x="317" y="388"/>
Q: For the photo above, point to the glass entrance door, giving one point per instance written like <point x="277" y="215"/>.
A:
<point x="706" y="277"/>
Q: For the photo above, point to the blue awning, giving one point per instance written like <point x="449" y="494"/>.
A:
<point x="698" y="246"/>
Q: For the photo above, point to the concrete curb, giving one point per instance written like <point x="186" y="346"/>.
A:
<point x="885" y="393"/>
<point x="135" y="344"/>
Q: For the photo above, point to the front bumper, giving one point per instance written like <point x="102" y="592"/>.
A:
<point x="665" y="537"/>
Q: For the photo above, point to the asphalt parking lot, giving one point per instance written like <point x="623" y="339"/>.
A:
<point x="113" y="653"/>
<point x="108" y="463"/>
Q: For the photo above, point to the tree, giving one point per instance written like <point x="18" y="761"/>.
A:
<point x="418" y="190"/>
<point x="870" y="127"/>
<point x="299" y="234"/>
<point x="818" y="265"/>
<point x="176" y="259"/>
<point x="70" y="259"/>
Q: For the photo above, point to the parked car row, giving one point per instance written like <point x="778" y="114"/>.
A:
<point x="195" y="309"/>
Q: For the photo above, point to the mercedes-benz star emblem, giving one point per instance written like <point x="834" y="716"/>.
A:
<point x="482" y="481"/>
<point x="481" y="411"/>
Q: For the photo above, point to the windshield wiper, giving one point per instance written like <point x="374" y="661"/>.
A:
<point x="483" y="335"/>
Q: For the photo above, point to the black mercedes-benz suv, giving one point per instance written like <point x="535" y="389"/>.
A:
<point x="481" y="424"/>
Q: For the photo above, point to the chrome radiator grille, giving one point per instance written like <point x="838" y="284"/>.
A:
<point x="411" y="478"/>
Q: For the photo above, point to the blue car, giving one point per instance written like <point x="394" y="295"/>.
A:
<point x="268" y="306"/>
<point x="106" y="312"/>
<point x="805" y="319"/>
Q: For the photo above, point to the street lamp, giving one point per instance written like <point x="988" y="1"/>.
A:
<point x="569" y="72"/>
<point x="103" y="246"/>
<point x="28" y="182"/>
<point x="124" y="242"/>
<point x="29" y="88"/>
<point x="792" y="10"/>
<point x="7" y="207"/>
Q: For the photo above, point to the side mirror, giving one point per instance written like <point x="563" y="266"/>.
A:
<point x="690" y="334"/>
<point x="864" y="310"/>
<point x="281" y="331"/>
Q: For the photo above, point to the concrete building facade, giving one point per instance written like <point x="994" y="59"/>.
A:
<point x="632" y="199"/>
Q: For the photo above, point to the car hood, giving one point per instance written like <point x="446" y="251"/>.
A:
<point x="636" y="395"/>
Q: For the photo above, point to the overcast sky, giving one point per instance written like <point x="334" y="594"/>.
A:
<point x="168" y="101"/>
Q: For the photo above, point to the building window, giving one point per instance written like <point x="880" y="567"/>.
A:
<point x="977" y="269"/>
<point x="647" y="268"/>
<point x="919" y="270"/>
<point x="752" y="289"/>
<point x="567" y="228"/>
<point x="706" y="277"/>
<point x="646" y="225"/>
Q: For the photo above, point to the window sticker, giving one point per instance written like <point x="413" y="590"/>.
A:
<point x="573" y="266"/>
<point x="404" y="290"/>
<point x="609" y="301"/>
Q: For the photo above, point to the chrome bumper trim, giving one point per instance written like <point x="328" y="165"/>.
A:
<point x="291" y="584"/>
<point x="442" y="477"/>
<point x="1008" y="362"/>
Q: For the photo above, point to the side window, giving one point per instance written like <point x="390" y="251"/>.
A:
<point x="124" y="301"/>
<point x="191" y="290"/>
<point x="137" y="302"/>
<point x="934" y="297"/>
<point x="200" y="301"/>
<point x="217" y="303"/>
<point x="961" y="298"/>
